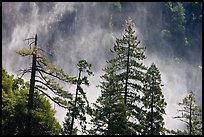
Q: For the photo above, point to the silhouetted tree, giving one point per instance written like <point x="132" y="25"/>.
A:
<point x="191" y="115"/>
<point x="109" y="115"/>
<point x="80" y="105"/>
<point x="123" y="80"/>
<point x="41" y="72"/>
<point x="154" y="103"/>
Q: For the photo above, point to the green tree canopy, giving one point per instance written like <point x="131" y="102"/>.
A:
<point x="14" y="109"/>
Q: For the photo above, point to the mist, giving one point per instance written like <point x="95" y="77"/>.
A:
<point x="74" y="31"/>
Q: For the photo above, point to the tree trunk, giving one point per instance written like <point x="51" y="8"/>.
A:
<point x="127" y="71"/>
<point x="152" y="99"/>
<point x="72" y="122"/>
<point x="31" y="91"/>
<point x="190" y="124"/>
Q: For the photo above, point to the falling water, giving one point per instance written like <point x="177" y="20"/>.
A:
<point x="74" y="31"/>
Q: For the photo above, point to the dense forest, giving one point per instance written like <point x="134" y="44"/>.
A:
<point x="132" y="98"/>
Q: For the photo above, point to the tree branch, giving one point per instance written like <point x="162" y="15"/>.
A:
<point x="183" y="111"/>
<point x="58" y="103"/>
<point x="46" y="86"/>
<point x="41" y="70"/>
<point x="24" y="71"/>
<point x="39" y="77"/>
<point x="184" y="121"/>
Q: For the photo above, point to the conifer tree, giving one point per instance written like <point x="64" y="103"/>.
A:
<point x="127" y="73"/>
<point x="191" y="114"/>
<point x="80" y="105"/>
<point x="109" y="114"/>
<point x="154" y="103"/>
<point x="43" y="78"/>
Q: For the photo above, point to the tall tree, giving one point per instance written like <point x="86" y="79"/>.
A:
<point x="127" y="82"/>
<point x="191" y="115"/>
<point x="14" y="112"/>
<point x="44" y="73"/>
<point x="109" y="115"/>
<point x="154" y="103"/>
<point x="131" y="71"/>
<point x="80" y="105"/>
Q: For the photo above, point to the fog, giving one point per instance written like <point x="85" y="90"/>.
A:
<point x="74" y="31"/>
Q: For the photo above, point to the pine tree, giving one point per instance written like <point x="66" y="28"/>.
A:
<point x="47" y="74"/>
<point x="109" y="113"/>
<point x="154" y="103"/>
<point x="191" y="115"/>
<point x="80" y="105"/>
<point x="43" y="78"/>
<point x="127" y="81"/>
<point x="131" y="73"/>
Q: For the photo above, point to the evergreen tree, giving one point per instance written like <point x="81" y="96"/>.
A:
<point x="43" y="78"/>
<point x="191" y="115"/>
<point x="109" y="114"/>
<point x="80" y="105"/>
<point x="181" y="26"/>
<point x="123" y="81"/>
<point x="154" y="103"/>
<point x="46" y="75"/>
<point x="131" y="71"/>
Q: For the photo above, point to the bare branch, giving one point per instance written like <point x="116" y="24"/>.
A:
<point x="45" y="51"/>
<point x="39" y="77"/>
<point x="24" y="71"/>
<point x="38" y="62"/>
<point x="31" y="44"/>
<point x="184" y="121"/>
<point x="28" y="39"/>
<point x="49" y="86"/>
<point x="40" y="69"/>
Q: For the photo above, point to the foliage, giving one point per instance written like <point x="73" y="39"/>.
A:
<point x="182" y="22"/>
<point x="131" y="100"/>
<point x="154" y="103"/>
<point x="14" y="109"/>
<point x="109" y="113"/>
<point x="80" y="106"/>
<point x="191" y="115"/>
<point x="46" y="76"/>
<point x="6" y="81"/>
<point x="122" y="81"/>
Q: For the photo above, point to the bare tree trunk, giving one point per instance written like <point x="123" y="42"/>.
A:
<point x="72" y="122"/>
<point x="31" y="91"/>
